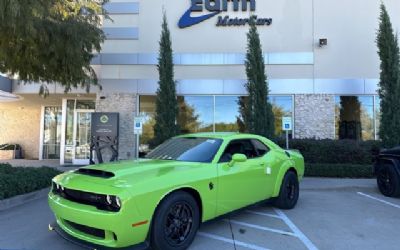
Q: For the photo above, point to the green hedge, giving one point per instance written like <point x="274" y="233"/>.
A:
<point x="339" y="170"/>
<point x="15" y="180"/>
<point x="335" y="151"/>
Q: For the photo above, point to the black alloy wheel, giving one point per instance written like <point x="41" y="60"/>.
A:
<point x="289" y="193"/>
<point x="291" y="190"/>
<point x="175" y="222"/>
<point x="178" y="223"/>
<point x="388" y="181"/>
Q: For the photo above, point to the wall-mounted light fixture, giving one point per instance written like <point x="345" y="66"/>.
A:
<point x="323" y="42"/>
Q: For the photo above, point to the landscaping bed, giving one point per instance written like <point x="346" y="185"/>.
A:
<point x="336" y="158"/>
<point x="17" y="180"/>
<point x="338" y="170"/>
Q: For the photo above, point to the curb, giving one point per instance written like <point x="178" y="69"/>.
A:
<point x="22" y="199"/>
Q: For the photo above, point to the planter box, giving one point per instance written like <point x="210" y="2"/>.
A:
<point x="6" y="154"/>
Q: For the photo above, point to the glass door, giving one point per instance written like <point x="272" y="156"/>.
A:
<point x="81" y="136"/>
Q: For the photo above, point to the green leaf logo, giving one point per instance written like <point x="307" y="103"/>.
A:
<point x="103" y="119"/>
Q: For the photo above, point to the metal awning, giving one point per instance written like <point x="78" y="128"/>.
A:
<point x="8" y="97"/>
<point x="5" y="84"/>
<point x="5" y="90"/>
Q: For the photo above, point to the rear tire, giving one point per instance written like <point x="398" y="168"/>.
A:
<point x="388" y="181"/>
<point x="289" y="193"/>
<point x="175" y="222"/>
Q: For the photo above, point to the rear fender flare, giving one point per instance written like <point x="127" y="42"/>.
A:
<point x="395" y="162"/>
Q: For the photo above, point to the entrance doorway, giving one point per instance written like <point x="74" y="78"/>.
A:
<point x="76" y="131"/>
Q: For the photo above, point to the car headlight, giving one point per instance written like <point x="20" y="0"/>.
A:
<point x="113" y="201"/>
<point x="108" y="200"/>
<point x="57" y="188"/>
<point x="118" y="202"/>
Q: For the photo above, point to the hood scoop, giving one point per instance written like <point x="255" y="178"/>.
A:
<point x="95" y="173"/>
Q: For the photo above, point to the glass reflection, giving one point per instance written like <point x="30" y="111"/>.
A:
<point x="226" y="114"/>
<point x="196" y="114"/>
<point x="208" y="114"/>
<point x="354" y="117"/>
<point x="52" y="133"/>
<point x="282" y="106"/>
<point x="377" y="116"/>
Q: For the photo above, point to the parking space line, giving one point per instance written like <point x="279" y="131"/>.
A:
<point x="261" y="228"/>
<point x="299" y="234"/>
<point x="263" y="214"/>
<point x="227" y="240"/>
<point x="380" y="200"/>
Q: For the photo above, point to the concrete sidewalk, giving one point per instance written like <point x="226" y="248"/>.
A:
<point x="313" y="183"/>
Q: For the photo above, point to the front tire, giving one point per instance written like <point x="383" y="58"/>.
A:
<point x="289" y="193"/>
<point x="388" y="181"/>
<point x="175" y="222"/>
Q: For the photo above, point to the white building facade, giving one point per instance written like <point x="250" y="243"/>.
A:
<point x="321" y="62"/>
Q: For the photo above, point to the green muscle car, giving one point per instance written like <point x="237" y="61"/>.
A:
<point x="160" y="201"/>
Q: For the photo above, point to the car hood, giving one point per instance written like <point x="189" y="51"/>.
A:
<point x="392" y="151"/>
<point x="122" y="174"/>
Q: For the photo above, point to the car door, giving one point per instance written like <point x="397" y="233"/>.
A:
<point x="241" y="183"/>
<point x="270" y="164"/>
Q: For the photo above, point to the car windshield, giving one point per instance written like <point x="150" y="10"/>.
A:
<point x="191" y="149"/>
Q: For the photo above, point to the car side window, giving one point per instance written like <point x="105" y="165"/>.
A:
<point x="245" y="147"/>
<point x="261" y="148"/>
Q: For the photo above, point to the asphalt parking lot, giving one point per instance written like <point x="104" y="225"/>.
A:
<point x="331" y="214"/>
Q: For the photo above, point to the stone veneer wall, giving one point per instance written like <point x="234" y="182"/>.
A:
<point x="21" y="126"/>
<point x="315" y="116"/>
<point x="125" y="105"/>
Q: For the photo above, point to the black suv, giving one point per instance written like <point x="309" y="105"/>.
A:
<point x="387" y="171"/>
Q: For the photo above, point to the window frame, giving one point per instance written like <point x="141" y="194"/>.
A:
<point x="258" y="153"/>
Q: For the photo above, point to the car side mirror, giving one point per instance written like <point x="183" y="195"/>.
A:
<point x="237" y="158"/>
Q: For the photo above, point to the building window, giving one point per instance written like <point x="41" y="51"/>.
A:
<point x="355" y="117"/>
<point x="226" y="114"/>
<point x="377" y="110"/>
<point x="208" y="114"/>
<point x="51" y="133"/>
<point x="196" y="114"/>
<point x="282" y="106"/>
<point x="147" y="106"/>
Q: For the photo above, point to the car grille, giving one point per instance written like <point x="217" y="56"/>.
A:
<point x="87" y="230"/>
<point x="87" y="198"/>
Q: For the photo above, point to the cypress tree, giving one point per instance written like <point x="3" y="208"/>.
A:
<point x="389" y="85"/>
<point x="256" y="111"/>
<point x="166" y="104"/>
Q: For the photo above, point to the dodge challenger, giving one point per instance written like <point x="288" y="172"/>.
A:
<point x="161" y="200"/>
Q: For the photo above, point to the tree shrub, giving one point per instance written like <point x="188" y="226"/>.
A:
<point x="339" y="170"/>
<point x="16" y="180"/>
<point x="335" y="151"/>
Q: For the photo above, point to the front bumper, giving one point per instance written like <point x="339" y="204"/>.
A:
<point x="116" y="227"/>
<point x="56" y="228"/>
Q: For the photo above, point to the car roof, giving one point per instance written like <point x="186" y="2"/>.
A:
<point x="221" y="135"/>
